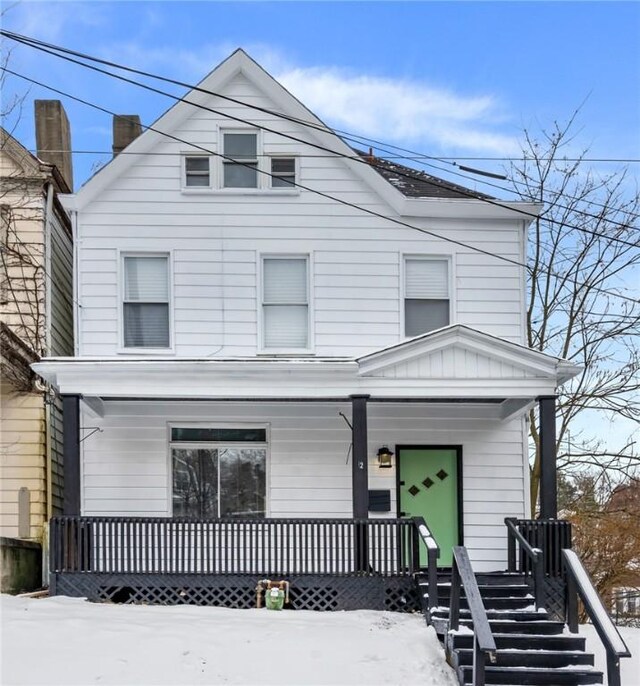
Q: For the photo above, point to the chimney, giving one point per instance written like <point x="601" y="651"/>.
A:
<point x="53" y="137"/>
<point x="126" y="128"/>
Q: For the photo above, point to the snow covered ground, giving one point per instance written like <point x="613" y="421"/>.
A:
<point x="64" y="641"/>
<point x="629" y="666"/>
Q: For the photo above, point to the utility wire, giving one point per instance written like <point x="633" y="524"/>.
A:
<point x="328" y="196"/>
<point x="54" y="50"/>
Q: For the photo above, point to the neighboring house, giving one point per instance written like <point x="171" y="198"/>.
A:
<point x="229" y="321"/>
<point x="37" y="321"/>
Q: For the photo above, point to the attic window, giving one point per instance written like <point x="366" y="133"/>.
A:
<point x="283" y="172"/>
<point x="240" y="163"/>
<point x="196" y="172"/>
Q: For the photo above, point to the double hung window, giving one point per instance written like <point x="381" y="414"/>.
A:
<point x="240" y="161"/>
<point x="145" y="307"/>
<point x="196" y="171"/>
<point x="283" y="172"/>
<point x="285" y="303"/>
<point x="218" y="472"/>
<point x="426" y="295"/>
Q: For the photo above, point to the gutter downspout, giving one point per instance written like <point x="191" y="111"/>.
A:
<point x="75" y="279"/>
<point x="46" y="394"/>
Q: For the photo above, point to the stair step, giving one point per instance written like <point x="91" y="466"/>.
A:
<point x="486" y="590"/>
<point x="529" y="658"/>
<point x="483" y="578"/>
<point x="534" y="675"/>
<point x="526" y="641"/>
<point x="505" y="626"/>
<point x="491" y="603"/>
<point x="515" y="615"/>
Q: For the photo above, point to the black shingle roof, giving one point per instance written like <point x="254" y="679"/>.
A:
<point x="418" y="184"/>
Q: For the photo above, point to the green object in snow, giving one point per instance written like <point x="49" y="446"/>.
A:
<point x="274" y="599"/>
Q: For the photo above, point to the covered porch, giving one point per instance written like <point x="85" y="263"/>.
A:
<point x="329" y="506"/>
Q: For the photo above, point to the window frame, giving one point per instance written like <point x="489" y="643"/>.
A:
<point x="209" y="444"/>
<point x="296" y="177"/>
<point x="263" y="186"/>
<point x="450" y="260"/>
<point x="183" y="173"/>
<point x="223" y="159"/>
<point x="262" y="349"/>
<point x="122" y="349"/>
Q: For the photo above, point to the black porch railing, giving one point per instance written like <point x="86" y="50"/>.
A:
<point x="484" y="645"/>
<point x="153" y="545"/>
<point x="580" y="585"/>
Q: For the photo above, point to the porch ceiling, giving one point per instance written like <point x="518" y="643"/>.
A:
<point x="454" y="363"/>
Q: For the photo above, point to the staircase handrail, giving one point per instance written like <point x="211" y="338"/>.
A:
<point x="579" y="583"/>
<point x="433" y="553"/>
<point x="536" y="555"/>
<point x="484" y="645"/>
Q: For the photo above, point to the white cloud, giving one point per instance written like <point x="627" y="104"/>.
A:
<point x="54" y="21"/>
<point x="401" y="110"/>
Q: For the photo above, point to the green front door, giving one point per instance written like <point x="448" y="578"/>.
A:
<point x="429" y="488"/>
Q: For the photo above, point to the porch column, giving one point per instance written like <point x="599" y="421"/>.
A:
<point x="71" y="453"/>
<point x="360" y="466"/>
<point x="548" y="472"/>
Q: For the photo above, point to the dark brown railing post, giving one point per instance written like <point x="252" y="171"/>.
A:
<point x="511" y="546"/>
<point x="415" y="547"/>
<point x="478" y="663"/>
<point x="572" y="605"/>
<point x="454" y="598"/>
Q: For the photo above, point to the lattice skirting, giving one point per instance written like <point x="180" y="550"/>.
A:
<point x="556" y="591"/>
<point x="396" y="594"/>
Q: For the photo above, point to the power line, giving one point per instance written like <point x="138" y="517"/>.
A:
<point x="54" y="50"/>
<point x="328" y="196"/>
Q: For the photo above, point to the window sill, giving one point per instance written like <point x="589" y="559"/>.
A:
<point x="296" y="352"/>
<point x="241" y="191"/>
<point x="146" y="351"/>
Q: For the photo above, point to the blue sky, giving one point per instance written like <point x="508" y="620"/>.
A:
<point x="445" y="79"/>
<point x="450" y="78"/>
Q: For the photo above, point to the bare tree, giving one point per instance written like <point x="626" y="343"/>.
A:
<point x="584" y="261"/>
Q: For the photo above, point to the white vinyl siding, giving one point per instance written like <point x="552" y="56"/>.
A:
<point x="127" y="467"/>
<point x="426" y="295"/>
<point x="285" y="303"/>
<point x="145" y="306"/>
<point x="357" y="275"/>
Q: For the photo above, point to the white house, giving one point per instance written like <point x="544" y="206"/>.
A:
<point x="261" y="311"/>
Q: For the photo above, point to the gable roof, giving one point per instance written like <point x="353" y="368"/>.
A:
<point x="458" y="351"/>
<point x="380" y="182"/>
<point x="414" y="183"/>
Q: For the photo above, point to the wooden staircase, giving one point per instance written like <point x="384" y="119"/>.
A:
<point x="531" y="647"/>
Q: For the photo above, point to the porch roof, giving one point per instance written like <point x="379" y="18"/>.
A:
<point x="453" y="363"/>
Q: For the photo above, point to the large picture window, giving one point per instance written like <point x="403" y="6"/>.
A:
<point x="426" y="295"/>
<point x="285" y="303"/>
<point x="145" y="308"/>
<point x="221" y="479"/>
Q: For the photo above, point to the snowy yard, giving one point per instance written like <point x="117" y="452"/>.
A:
<point x="64" y="641"/>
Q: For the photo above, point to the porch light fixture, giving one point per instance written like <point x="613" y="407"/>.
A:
<point x="384" y="457"/>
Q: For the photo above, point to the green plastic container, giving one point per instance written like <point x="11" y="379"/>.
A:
<point x="274" y="599"/>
